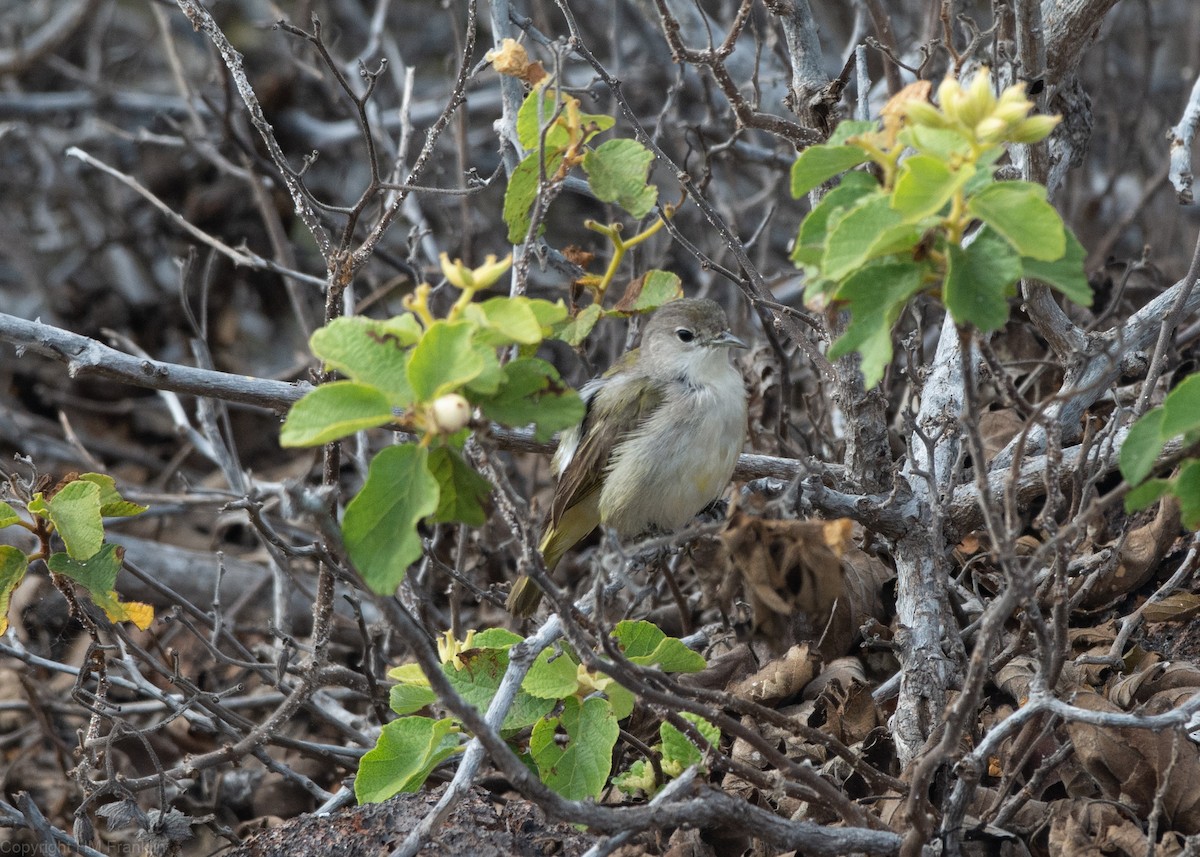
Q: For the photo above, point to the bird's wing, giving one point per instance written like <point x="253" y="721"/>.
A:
<point x="584" y="473"/>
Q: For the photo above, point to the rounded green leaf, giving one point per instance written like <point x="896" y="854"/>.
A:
<point x="112" y="504"/>
<point x="1142" y="446"/>
<point x="618" y="171"/>
<point x="75" y="513"/>
<point x="8" y="515"/>
<point x="581" y="768"/>
<point x="505" y="320"/>
<point x="405" y="754"/>
<point x="530" y="123"/>
<point x="810" y="241"/>
<point x="534" y="393"/>
<point x="1019" y="212"/>
<point x="333" y="411"/>
<point x="444" y="360"/>
<point x="370" y="351"/>
<point x="1146" y="493"/>
<point x="818" y="164"/>
<point x="1065" y="274"/>
<point x="463" y="493"/>
<point x="657" y="288"/>
<point x="980" y="279"/>
<point x="852" y="234"/>
<point x="380" y="524"/>
<point x="479" y="677"/>
<point x="645" y="643"/>
<point x="13" y="565"/>
<point x="679" y="752"/>
<point x="522" y="191"/>
<point x="925" y="184"/>
<point x="576" y="330"/>
<point x="1182" y="408"/>
<point x="876" y="294"/>
<point x="552" y="676"/>
<point x="1187" y="489"/>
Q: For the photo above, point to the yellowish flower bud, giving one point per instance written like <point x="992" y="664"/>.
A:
<point x="949" y="95"/>
<point x="474" y="279"/>
<point x="977" y="100"/>
<point x="1012" y="112"/>
<point x="991" y="130"/>
<point x="1034" y="129"/>
<point x="449" y="413"/>
<point x="924" y="113"/>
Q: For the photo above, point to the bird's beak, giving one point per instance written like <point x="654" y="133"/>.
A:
<point x="727" y="339"/>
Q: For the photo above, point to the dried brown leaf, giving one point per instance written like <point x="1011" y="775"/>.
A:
<point x="1091" y="828"/>
<point x="1140" y="556"/>
<point x="1132" y="766"/>
<point x="783" y="677"/>
<point x="1180" y="607"/>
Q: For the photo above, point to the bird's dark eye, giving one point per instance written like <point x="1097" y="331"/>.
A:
<point x="685" y="335"/>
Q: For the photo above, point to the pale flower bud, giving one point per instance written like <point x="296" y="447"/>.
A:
<point x="924" y="113"/>
<point x="991" y="130"/>
<point x="1034" y="129"/>
<point x="977" y="101"/>
<point x="1012" y="112"/>
<point x="949" y="95"/>
<point x="449" y="413"/>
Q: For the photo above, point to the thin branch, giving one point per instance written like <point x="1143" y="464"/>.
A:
<point x="1180" y="137"/>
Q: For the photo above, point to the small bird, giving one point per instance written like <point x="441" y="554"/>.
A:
<point x="658" y="441"/>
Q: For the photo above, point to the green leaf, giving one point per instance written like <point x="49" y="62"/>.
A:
<point x="581" y="768"/>
<point x="506" y="320"/>
<point x="942" y="143"/>
<point x="852" y="234"/>
<point x="496" y="638"/>
<point x="491" y="377"/>
<point x="412" y="691"/>
<point x="8" y="515"/>
<point x="618" y="171"/>
<point x="463" y="494"/>
<point x="98" y="575"/>
<point x="75" y="512"/>
<point x="1187" y="489"/>
<point x="1019" y="212"/>
<point x="479" y="678"/>
<point x="679" y="752"/>
<point x="529" y="124"/>
<point x="876" y="295"/>
<point x="548" y="314"/>
<point x="645" y="643"/>
<point x="1065" y="274"/>
<point x="810" y="241"/>
<point x="1142" y="446"/>
<point x="533" y="393"/>
<point x="1181" y="408"/>
<point x="380" y="524"/>
<point x="576" y="330"/>
<point x="552" y="676"/>
<point x="925" y="184"/>
<point x="818" y="164"/>
<point x="405" y="754"/>
<point x="370" y="351"/>
<point x="638" y="780"/>
<point x="848" y="128"/>
<point x="333" y="411"/>
<point x="522" y="191"/>
<point x="979" y="280"/>
<point x="658" y="288"/>
<point x="444" y="360"/>
<point x="13" y="565"/>
<point x="112" y="504"/>
<point x="1147" y="493"/>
